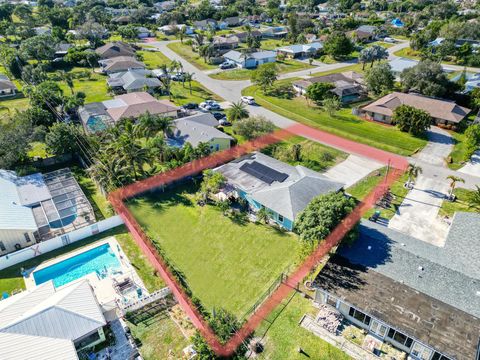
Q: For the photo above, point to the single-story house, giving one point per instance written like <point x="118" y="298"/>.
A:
<point x="242" y="36"/>
<point x="300" y="50"/>
<point x="120" y="64"/>
<point x="205" y="24"/>
<point x="40" y="206"/>
<point x="164" y="6"/>
<point x="233" y="21"/>
<point x="173" y="28"/>
<point x="50" y="323"/>
<point x="196" y="129"/>
<point x="275" y="32"/>
<point x="420" y="298"/>
<point x="442" y="111"/>
<point x="7" y="88"/>
<point x="133" y="80"/>
<point x="224" y="43"/>
<point x="143" y="32"/>
<point x="282" y="189"/>
<point x="252" y="60"/>
<point x="62" y="49"/>
<point x="349" y="85"/>
<point x="365" y="33"/>
<point x="115" y="49"/>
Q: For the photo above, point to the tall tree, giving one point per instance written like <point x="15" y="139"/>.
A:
<point x="380" y="79"/>
<point x="265" y="76"/>
<point x="338" y="45"/>
<point x="453" y="183"/>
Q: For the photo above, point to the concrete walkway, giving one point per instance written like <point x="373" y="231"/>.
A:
<point x="352" y="170"/>
<point x="440" y="145"/>
<point x="418" y="214"/>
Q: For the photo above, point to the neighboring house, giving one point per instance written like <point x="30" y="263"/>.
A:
<point x="275" y="32"/>
<point x="365" y="33"/>
<point x="224" y="43"/>
<point x="42" y="30"/>
<point x="133" y="80"/>
<point x="283" y="190"/>
<point x="115" y="49"/>
<point x="232" y="21"/>
<point x="399" y="64"/>
<point x="420" y="298"/>
<point x="252" y="60"/>
<point x="165" y="6"/>
<point x="143" y="32"/>
<point x="40" y="206"/>
<point x="47" y="323"/>
<point x="472" y="83"/>
<point x="205" y="24"/>
<point x="198" y="129"/>
<point x="442" y="111"/>
<point x="242" y="36"/>
<point x="174" y="28"/>
<point x="311" y="38"/>
<point x="7" y="88"/>
<point x="62" y="49"/>
<point x="120" y="64"/>
<point x="349" y="85"/>
<point x="300" y="50"/>
<point x="99" y="116"/>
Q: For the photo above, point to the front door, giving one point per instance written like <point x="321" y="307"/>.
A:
<point x="378" y="329"/>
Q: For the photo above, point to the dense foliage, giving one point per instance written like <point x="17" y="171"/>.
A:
<point x="253" y="127"/>
<point x="412" y="120"/>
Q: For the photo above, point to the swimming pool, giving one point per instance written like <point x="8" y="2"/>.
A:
<point x="100" y="260"/>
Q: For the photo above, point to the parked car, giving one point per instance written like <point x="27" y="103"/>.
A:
<point x="249" y="100"/>
<point x="190" y="106"/>
<point x="224" y="122"/>
<point x="389" y="40"/>
<point x="227" y="65"/>
<point x="218" y="115"/>
<point x="177" y="77"/>
<point x="210" y="105"/>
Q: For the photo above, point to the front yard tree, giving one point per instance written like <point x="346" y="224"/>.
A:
<point x="253" y="127"/>
<point x="128" y="32"/>
<point x="453" y="184"/>
<point x="265" y="76"/>
<point x="412" y="120"/>
<point x="237" y="111"/>
<point x="39" y="47"/>
<point x="317" y="92"/>
<point x="380" y="79"/>
<point x="331" y="105"/>
<point x="472" y="140"/>
<point x="212" y="182"/>
<point x="338" y="45"/>
<point x="428" y="78"/>
<point x="322" y="215"/>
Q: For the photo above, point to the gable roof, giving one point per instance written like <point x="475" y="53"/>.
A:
<point x="133" y="79"/>
<point x="114" y="49"/>
<point x="437" y="108"/>
<point x="67" y="313"/>
<point x="350" y="77"/>
<point x="301" y="48"/>
<point x="196" y="130"/>
<point x="288" y="197"/>
<point x="136" y="104"/>
<point x="238" y="57"/>
<point x="121" y="63"/>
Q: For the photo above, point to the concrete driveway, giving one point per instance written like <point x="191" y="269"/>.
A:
<point x="440" y="145"/>
<point x="352" y="169"/>
<point x="473" y="166"/>
<point x="418" y="214"/>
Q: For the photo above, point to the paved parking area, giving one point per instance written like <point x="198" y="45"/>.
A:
<point x="418" y="214"/>
<point x="352" y="169"/>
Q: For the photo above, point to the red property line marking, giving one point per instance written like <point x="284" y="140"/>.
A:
<point x="117" y="198"/>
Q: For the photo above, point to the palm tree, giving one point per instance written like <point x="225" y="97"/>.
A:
<point x="474" y="199"/>
<point x="365" y="56"/>
<point x="67" y="78"/>
<point x="237" y="111"/>
<point x="378" y="53"/>
<point x="109" y="172"/>
<point x="181" y="33"/>
<point x="412" y="171"/>
<point x="159" y="148"/>
<point x="188" y="77"/>
<point x="262" y="215"/>
<point x="198" y="40"/>
<point x="206" y="51"/>
<point x="453" y="182"/>
<point x="166" y="80"/>
<point x="165" y="125"/>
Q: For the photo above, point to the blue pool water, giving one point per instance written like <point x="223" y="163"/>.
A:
<point x="99" y="260"/>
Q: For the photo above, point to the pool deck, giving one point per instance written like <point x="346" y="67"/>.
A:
<point x="104" y="289"/>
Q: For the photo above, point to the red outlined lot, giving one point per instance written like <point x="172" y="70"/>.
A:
<point x="397" y="164"/>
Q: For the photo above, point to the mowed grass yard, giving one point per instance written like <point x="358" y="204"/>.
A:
<point x="285" y="66"/>
<point x="192" y="57"/>
<point x="227" y="264"/>
<point x="95" y="87"/>
<point x="343" y="124"/>
<point x="181" y="93"/>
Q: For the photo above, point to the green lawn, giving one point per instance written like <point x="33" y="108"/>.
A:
<point x="460" y="204"/>
<point x="226" y="262"/>
<point x="159" y="338"/>
<point x="192" y="57"/>
<point x="408" y="53"/>
<point x="10" y="278"/>
<point x="285" y="336"/>
<point x="181" y="94"/>
<point x="343" y="124"/>
<point x="355" y="67"/>
<point x="362" y="188"/>
<point x="313" y="155"/>
<point x="38" y="149"/>
<point x="458" y="154"/>
<point x="154" y="59"/>
<point x="12" y="104"/>
<point x="95" y="87"/>
<point x="272" y="44"/>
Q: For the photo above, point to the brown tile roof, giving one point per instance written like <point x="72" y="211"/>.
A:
<point x="113" y="49"/>
<point x="120" y="63"/>
<point x="139" y="103"/>
<point x="347" y="76"/>
<point x="437" y="108"/>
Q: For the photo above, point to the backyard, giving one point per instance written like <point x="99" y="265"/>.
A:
<point x="12" y="280"/>
<point x="93" y="85"/>
<point x="227" y="262"/>
<point x="343" y="123"/>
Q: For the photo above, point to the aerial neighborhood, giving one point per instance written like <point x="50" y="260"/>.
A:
<point x="260" y="179"/>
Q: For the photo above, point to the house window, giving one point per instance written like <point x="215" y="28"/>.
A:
<point x="400" y="338"/>
<point x="280" y="218"/>
<point x="358" y="315"/>
<point x="438" y="356"/>
<point x="2" y="246"/>
<point x="331" y="301"/>
<point x="421" y="352"/>
<point x="27" y="237"/>
<point x="378" y="329"/>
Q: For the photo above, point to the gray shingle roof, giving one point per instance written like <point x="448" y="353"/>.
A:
<point x="195" y="132"/>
